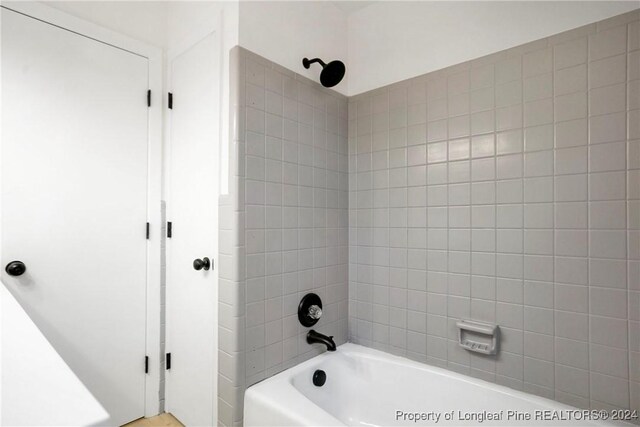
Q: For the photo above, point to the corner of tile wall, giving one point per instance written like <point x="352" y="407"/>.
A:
<point x="283" y="226"/>
<point x="231" y="314"/>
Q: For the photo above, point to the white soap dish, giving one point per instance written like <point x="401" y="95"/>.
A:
<point x="478" y="337"/>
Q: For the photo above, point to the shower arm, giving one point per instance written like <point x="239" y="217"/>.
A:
<point x="306" y="62"/>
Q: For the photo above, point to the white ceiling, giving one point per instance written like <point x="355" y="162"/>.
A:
<point x="350" y="6"/>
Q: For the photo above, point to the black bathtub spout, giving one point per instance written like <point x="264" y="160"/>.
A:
<point x="316" y="337"/>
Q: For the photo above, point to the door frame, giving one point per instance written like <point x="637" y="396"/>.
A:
<point x="154" y="55"/>
<point x="198" y="33"/>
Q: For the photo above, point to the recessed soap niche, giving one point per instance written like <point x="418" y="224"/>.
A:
<point x="479" y="337"/>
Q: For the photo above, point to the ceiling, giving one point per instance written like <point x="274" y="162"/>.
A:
<point x="350" y="6"/>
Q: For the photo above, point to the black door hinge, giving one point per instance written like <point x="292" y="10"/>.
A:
<point x="146" y="364"/>
<point x="170" y="101"/>
<point x="169" y="229"/>
<point x="148" y="227"/>
<point x="168" y="361"/>
<point x="149" y="98"/>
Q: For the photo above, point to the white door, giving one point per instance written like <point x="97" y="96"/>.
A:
<point x="193" y="211"/>
<point x="74" y="201"/>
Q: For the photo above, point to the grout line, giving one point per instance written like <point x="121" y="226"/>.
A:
<point x="522" y="202"/>
<point x="588" y="231"/>
<point x="626" y="211"/>
<point x="553" y="219"/>
<point x="495" y="202"/>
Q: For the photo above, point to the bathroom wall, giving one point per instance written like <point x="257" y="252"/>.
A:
<point x="287" y="31"/>
<point x="144" y="21"/>
<point x="391" y="41"/>
<point x="506" y="190"/>
<point x="283" y="226"/>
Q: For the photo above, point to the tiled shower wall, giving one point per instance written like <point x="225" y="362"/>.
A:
<point x="283" y="226"/>
<point x="505" y="190"/>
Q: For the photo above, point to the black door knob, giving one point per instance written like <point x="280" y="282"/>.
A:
<point x="204" y="263"/>
<point x="15" y="268"/>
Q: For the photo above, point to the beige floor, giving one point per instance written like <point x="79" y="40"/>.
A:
<point x="162" y="420"/>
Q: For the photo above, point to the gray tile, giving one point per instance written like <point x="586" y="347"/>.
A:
<point x="569" y="80"/>
<point x="609" y="361"/>
<point x="572" y="380"/>
<point x="607" y="71"/>
<point x="570" y="53"/>
<point x="611" y="390"/>
<point x="608" y="331"/>
<point x="572" y="353"/>
<point x="608" y="43"/>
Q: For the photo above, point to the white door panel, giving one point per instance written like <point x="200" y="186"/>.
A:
<point x="74" y="201"/>
<point x="193" y="211"/>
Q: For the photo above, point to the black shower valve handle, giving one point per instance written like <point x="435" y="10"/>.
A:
<point x="310" y="310"/>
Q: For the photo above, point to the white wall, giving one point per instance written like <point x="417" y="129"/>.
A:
<point x="382" y="43"/>
<point x="144" y="21"/>
<point x="190" y="21"/>
<point x="166" y="24"/>
<point x="392" y="41"/>
<point x="184" y="18"/>
<point x="286" y="32"/>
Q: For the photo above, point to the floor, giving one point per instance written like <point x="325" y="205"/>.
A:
<point x="162" y="420"/>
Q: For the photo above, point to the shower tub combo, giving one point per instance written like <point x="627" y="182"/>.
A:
<point x="356" y="385"/>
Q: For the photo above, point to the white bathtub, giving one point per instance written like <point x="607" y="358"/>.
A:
<point x="368" y="387"/>
<point x="37" y="387"/>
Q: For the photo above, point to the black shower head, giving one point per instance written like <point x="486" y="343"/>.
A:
<point x="332" y="73"/>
